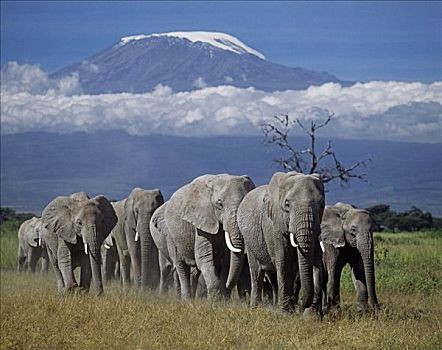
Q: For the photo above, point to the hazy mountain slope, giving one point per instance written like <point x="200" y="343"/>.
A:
<point x="36" y="167"/>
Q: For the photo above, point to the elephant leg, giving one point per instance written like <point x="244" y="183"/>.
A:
<point x="85" y="273"/>
<point x="204" y="257"/>
<point x="194" y="278"/>
<point x="256" y="281"/>
<point x="316" y="307"/>
<point x="165" y="270"/>
<point x="135" y="259"/>
<point x="65" y="265"/>
<point x="286" y="279"/>
<point x="124" y="258"/>
<point x="333" y="284"/>
<point x="21" y="259"/>
<point x="244" y="284"/>
<point x="359" y="282"/>
<point x="33" y="256"/>
<point x="52" y="255"/>
<point x="176" y="283"/>
<point x="274" y="285"/>
<point x="44" y="261"/>
<point x="297" y="288"/>
<point x="183" y="271"/>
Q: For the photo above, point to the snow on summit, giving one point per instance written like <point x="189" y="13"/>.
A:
<point x="220" y="40"/>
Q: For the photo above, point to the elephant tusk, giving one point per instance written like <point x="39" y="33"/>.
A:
<point x="85" y="248"/>
<point x="322" y="246"/>
<point x="229" y="243"/>
<point x="106" y="246"/>
<point x="137" y="236"/>
<point x="292" y="240"/>
<point x="39" y="241"/>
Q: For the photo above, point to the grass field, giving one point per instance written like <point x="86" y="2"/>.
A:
<point x="409" y="276"/>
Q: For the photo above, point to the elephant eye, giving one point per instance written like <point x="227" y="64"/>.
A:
<point x="78" y="222"/>
<point x="219" y="203"/>
<point x="286" y="205"/>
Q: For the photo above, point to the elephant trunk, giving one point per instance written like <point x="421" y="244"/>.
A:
<point x="235" y="243"/>
<point x="149" y="254"/>
<point x="94" y="253"/>
<point x="366" y="249"/>
<point x="306" y="227"/>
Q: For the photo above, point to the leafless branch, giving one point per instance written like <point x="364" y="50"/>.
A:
<point x="307" y="160"/>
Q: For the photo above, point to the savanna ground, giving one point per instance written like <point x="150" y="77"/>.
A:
<point x="409" y="276"/>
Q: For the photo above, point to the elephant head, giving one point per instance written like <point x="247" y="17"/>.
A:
<point x="89" y="221"/>
<point x="33" y="237"/>
<point x="211" y="205"/>
<point x="139" y="208"/>
<point x="344" y="225"/>
<point x="295" y="204"/>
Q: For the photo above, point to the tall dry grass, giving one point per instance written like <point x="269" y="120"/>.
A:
<point x="34" y="316"/>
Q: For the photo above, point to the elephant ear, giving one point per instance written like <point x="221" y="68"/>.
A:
<point x="31" y="232"/>
<point x="249" y="184"/>
<point x="275" y="194"/>
<point x="110" y="218"/>
<point x="130" y="219"/>
<point x="197" y="207"/>
<point x="158" y="220"/>
<point x="331" y="227"/>
<point x="58" y="217"/>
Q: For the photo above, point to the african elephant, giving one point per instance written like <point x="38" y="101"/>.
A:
<point x="201" y="219"/>
<point x="139" y="208"/>
<point x="119" y="236"/>
<point x="30" y="249"/>
<point x="347" y="237"/>
<point x="167" y="256"/>
<point x="75" y="229"/>
<point x="280" y="223"/>
<point x="109" y="256"/>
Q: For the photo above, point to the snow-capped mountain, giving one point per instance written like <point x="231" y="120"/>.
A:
<point x="186" y="61"/>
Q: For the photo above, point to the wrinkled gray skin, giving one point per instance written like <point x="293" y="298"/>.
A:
<point x="50" y="241"/>
<point x="167" y="256"/>
<point x="166" y="250"/>
<point x="110" y="267"/>
<point x="292" y="203"/>
<point x="139" y="208"/>
<point x="347" y="237"/>
<point x="119" y="236"/>
<point x="198" y="215"/>
<point x="75" y="229"/>
<point x="30" y="248"/>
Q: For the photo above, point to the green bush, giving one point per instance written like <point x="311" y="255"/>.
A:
<point x="9" y="243"/>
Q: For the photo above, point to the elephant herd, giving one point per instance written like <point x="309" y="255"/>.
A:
<point x="277" y="241"/>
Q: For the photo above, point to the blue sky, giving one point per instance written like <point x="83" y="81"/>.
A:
<point x="352" y="40"/>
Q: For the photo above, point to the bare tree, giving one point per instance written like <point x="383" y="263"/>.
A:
<point x="308" y="160"/>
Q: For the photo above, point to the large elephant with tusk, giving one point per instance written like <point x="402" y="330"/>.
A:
<point x="138" y="210"/>
<point x="75" y="228"/>
<point x="280" y="223"/>
<point x="201" y="221"/>
<point x="347" y="238"/>
<point x="30" y="248"/>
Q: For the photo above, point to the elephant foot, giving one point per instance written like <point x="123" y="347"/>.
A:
<point x="310" y="314"/>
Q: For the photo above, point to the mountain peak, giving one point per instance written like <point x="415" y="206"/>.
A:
<point x="220" y="40"/>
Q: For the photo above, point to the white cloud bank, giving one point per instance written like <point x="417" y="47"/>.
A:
<point x="31" y="101"/>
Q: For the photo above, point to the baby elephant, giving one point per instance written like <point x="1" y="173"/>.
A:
<point x="30" y="248"/>
<point x="347" y="237"/>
